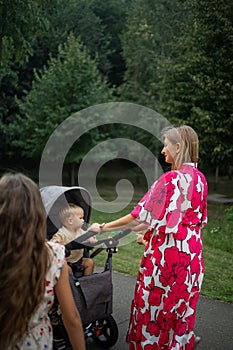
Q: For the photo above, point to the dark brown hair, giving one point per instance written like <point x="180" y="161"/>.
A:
<point x="24" y="256"/>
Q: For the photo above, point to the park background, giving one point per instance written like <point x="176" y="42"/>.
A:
<point x="176" y="57"/>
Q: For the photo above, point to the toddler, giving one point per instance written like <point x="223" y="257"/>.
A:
<point x="72" y="219"/>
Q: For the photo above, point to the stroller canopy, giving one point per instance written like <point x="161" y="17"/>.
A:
<point x="57" y="197"/>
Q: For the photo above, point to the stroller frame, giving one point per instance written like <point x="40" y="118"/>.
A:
<point x="95" y="303"/>
<point x="95" y="308"/>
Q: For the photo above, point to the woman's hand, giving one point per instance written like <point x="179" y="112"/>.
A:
<point x="140" y="239"/>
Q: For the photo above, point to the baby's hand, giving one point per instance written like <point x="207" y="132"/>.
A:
<point x="95" y="228"/>
<point x="92" y="240"/>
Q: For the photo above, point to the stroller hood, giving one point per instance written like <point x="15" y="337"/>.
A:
<point x="57" y="197"/>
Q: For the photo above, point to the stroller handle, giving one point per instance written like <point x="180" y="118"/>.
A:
<point x="104" y="243"/>
<point x="78" y="243"/>
<point x="112" y="241"/>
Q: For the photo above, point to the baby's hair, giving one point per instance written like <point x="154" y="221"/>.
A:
<point x="67" y="211"/>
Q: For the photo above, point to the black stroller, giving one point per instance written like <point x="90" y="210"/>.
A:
<point x="93" y="293"/>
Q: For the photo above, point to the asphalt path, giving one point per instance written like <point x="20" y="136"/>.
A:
<point x="214" y="320"/>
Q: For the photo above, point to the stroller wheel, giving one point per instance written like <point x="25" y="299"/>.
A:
<point x="105" y="332"/>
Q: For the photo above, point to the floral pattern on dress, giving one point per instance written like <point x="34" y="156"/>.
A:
<point x="172" y="268"/>
<point x="39" y="335"/>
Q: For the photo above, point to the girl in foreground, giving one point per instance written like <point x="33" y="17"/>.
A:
<point x="31" y="269"/>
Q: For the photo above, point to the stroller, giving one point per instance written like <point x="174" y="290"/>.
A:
<point x="93" y="293"/>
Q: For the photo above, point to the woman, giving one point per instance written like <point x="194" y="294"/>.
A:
<point x="171" y="271"/>
<point x="31" y="270"/>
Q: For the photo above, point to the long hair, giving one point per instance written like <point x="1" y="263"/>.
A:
<point x="189" y="144"/>
<point x="24" y="256"/>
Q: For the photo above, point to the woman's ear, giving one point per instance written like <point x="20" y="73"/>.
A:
<point x="178" y="147"/>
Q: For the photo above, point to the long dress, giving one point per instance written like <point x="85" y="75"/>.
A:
<point x="172" y="268"/>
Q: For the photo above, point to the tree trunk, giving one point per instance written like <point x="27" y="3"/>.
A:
<point x="216" y="177"/>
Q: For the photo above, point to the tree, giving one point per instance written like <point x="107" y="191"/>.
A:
<point x="19" y="21"/>
<point x="98" y="26"/>
<point x="151" y="30"/>
<point x="70" y="82"/>
<point x="196" y="85"/>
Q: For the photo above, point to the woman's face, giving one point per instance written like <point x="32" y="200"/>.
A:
<point x="169" y="151"/>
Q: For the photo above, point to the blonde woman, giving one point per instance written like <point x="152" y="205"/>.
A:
<point x="31" y="270"/>
<point x="171" y="272"/>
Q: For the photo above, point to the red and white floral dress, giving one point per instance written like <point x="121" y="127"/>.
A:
<point x="172" y="268"/>
<point x="39" y="335"/>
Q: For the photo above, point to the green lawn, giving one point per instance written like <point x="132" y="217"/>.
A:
<point x="217" y="248"/>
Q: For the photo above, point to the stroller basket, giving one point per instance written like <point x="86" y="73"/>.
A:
<point x="93" y="295"/>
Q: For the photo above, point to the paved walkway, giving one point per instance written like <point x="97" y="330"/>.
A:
<point x="219" y="198"/>
<point x="214" y="321"/>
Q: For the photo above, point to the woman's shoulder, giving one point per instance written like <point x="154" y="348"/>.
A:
<point x="164" y="180"/>
<point x="169" y="175"/>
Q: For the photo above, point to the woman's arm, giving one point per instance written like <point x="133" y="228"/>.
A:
<point x="70" y="314"/>
<point x="140" y="227"/>
<point x="124" y="222"/>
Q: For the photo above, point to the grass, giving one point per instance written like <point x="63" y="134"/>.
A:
<point x="218" y="255"/>
<point x="217" y="245"/>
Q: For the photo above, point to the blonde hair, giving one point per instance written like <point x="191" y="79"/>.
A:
<point x="68" y="211"/>
<point x="189" y="144"/>
<point x="24" y="256"/>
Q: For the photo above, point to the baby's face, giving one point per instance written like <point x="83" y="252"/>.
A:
<point x="78" y="219"/>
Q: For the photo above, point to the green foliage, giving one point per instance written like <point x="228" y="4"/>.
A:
<point x="96" y="23"/>
<point x="229" y="214"/>
<point x="218" y="253"/>
<point x="19" y="21"/>
<point x="178" y="56"/>
<point x="44" y="29"/>
<point x="179" y="62"/>
<point x="196" y="85"/>
<point x="151" y="29"/>
<point x="70" y="82"/>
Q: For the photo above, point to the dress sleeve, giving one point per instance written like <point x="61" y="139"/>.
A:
<point x="160" y="200"/>
<point x="58" y="258"/>
<point x="203" y="206"/>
